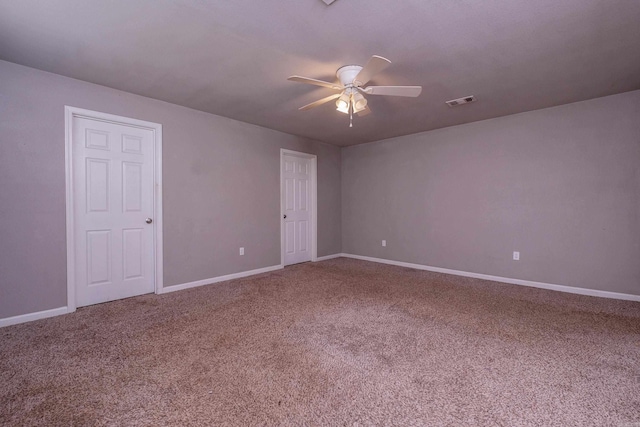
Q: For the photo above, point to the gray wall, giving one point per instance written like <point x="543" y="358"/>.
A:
<point x="220" y="176"/>
<point x="560" y="185"/>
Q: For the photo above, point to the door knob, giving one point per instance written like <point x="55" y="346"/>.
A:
<point x="285" y="216"/>
<point x="148" y="220"/>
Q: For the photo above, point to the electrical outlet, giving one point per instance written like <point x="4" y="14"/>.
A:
<point x="384" y="243"/>
<point x="241" y="251"/>
<point x="516" y="256"/>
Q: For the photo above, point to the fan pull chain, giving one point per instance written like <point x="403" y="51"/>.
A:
<point x="350" y="114"/>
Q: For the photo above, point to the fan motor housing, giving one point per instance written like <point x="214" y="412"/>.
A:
<point x="347" y="74"/>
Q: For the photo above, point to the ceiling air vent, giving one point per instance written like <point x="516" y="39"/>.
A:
<point x="460" y="101"/>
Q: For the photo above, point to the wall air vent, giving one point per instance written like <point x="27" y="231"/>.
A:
<point x="460" y="101"/>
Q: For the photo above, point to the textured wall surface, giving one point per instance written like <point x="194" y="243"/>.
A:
<point x="220" y="187"/>
<point x="561" y="185"/>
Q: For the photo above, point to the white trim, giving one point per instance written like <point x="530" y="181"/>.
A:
<point x="165" y="290"/>
<point x="550" y="286"/>
<point x="70" y="221"/>
<point x="219" y="279"/>
<point x="561" y="288"/>
<point x="314" y="203"/>
<point x="29" y="317"/>
<point x="156" y="128"/>
<point x="326" y="257"/>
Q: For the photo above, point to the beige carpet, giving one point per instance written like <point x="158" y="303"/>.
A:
<point x="340" y="342"/>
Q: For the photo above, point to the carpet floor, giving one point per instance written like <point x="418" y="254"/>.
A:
<point x="339" y="342"/>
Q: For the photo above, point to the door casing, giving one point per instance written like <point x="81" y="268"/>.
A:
<point x="71" y="113"/>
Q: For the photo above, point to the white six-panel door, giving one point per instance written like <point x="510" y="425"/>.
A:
<point x="113" y="182"/>
<point x="296" y="208"/>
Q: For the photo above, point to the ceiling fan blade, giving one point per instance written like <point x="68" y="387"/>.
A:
<point x="364" y="112"/>
<point x="319" y="102"/>
<point x="311" y="81"/>
<point x="374" y="66"/>
<point x="411" y="91"/>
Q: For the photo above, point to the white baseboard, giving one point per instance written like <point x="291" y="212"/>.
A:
<point x="219" y="279"/>
<point x="8" y="321"/>
<point x="550" y="286"/>
<point x="64" y="310"/>
<point x="326" y="257"/>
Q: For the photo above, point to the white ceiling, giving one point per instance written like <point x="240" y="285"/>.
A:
<point x="232" y="58"/>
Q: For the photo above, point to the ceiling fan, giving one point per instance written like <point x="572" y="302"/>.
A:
<point x="352" y="79"/>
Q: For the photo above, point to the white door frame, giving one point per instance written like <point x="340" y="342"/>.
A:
<point x="69" y="114"/>
<point x="314" y="205"/>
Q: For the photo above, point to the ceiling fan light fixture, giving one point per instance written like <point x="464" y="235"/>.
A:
<point x="342" y="107"/>
<point x="359" y="102"/>
<point x="342" y="104"/>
